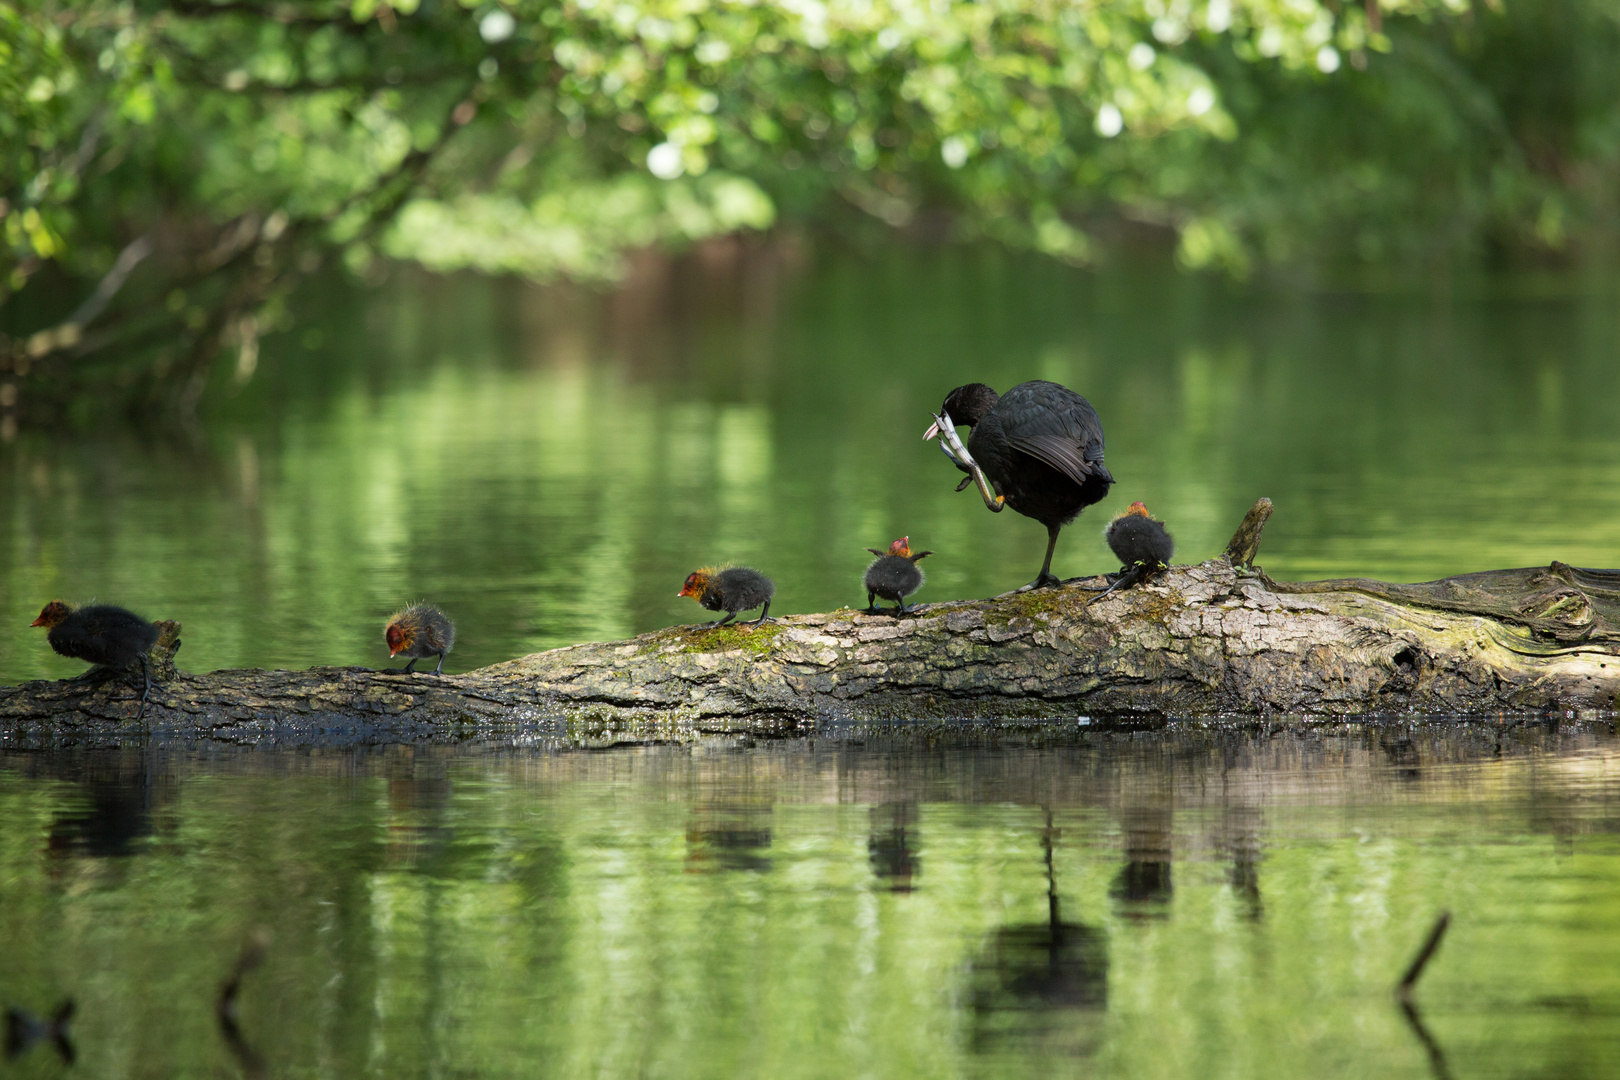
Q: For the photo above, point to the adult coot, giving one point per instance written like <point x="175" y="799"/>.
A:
<point x="730" y="589"/>
<point x="1040" y="445"/>
<point x="893" y="575"/>
<point x="419" y="631"/>
<point x="102" y="634"/>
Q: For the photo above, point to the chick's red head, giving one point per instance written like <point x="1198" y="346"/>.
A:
<point x="52" y="614"/>
<point x="1138" y="509"/>
<point x="398" y="636"/>
<point x="696" y="582"/>
<point x="901" y="547"/>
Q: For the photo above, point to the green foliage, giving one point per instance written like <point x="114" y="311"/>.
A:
<point x="249" y="141"/>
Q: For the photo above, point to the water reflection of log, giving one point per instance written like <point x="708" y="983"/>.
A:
<point x="891" y="845"/>
<point x="1211" y="639"/>
<point x="728" y="837"/>
<point x="1040" y="988"/>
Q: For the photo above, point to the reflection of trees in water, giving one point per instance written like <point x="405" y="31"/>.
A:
<point x="1240" y="837"/>
<point x="418" y="813"/>
<point x="891" y="845"/>
<point x="1142" y="886"/>
<point x="728" y="837"/>
<point x="1042" y="987"/>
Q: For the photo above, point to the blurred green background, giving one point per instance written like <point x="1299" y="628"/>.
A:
<point x="550" y="465"/>
<point x="312" y="308"/>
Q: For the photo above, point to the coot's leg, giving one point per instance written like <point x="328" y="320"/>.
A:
<point x="1123" y="581"/>
<point x="440" y="668"/>
<point x="871" y="598"/>
<point x="901" y="610"/>
<point x="1046" y="579"/>
<point x="1109" y="581"/>
<point x="146" y="674"/>
<point x="764" y="613"/>
<point x="721" y="622"/>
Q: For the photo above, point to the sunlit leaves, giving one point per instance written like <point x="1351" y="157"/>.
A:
<point x="1254" y="129"/>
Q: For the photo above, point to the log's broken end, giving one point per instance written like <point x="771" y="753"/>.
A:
<point x="162" y="654"/>
<point x="1245" y="543"/>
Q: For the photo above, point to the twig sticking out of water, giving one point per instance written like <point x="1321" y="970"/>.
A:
<point x="1403" y="993"/>
<point x="1403" y="989"/>
<point x="253" y="952"/>
<point x="24" y="1029"/>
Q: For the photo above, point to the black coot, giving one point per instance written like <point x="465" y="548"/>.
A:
<point x="1041" y="447"/>
<point x="730" y="589"/>
<point x="893" y="575"/>
<point x="102" y="634"/>
<point x="419" y="631"/>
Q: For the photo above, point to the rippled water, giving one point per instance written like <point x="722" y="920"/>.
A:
<point x="939" y="902"/>
<point x="550" y="466"/>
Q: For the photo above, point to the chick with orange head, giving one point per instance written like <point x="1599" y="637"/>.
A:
<point x="419" y="631"/>
<point x="730" y="589"/>
<point x="893" y="575"/>
<point x="1142" y="544"/>
<point x="1138" y="538"/>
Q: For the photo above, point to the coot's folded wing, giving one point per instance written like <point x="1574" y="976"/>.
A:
<point x="1056" y="425"/>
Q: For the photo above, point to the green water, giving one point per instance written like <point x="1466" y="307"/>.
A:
<point x="549" y="465"/>
<point x="1230" y="904"/>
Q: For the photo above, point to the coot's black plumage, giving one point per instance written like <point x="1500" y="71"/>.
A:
<point x="103" y="634"/>
<point x="1041" y="447"/>
<point x="730" y="589"/>
<point x="893" y="575"/>
<point x="419" y="631"/>
<point x="1142" y="545"/>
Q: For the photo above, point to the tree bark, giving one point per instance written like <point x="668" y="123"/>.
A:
<point x="1205" y="641"/>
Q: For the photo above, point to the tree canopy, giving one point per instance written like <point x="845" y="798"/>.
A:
<point x="168" y="170"/>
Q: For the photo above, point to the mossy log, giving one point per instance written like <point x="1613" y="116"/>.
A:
<point x="1212" y="640"/>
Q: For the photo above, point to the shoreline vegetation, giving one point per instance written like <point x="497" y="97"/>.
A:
<point x="170" y="175"/>
<point x="1219" y="640"/>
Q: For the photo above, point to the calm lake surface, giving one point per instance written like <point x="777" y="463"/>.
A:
<point x="549" y="465"/>
<point x="939" y="902"/>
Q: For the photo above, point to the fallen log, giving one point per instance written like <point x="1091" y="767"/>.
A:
<point x="1218" y="639"/>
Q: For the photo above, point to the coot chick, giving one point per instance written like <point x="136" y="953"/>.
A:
<point x="730" y="589"/>
<point x="893" y="575"/>
<point x="1142" y="544"/>
<point x="1137" y="537"/>
<point x="418" y="631"/>
<point x="1040" y="445"/>
<point x="103" y="634"/>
